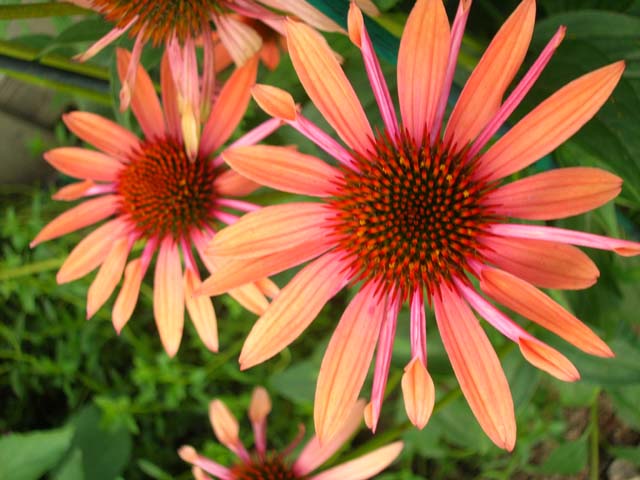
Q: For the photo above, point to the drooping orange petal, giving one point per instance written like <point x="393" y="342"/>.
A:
<point x="346" y="363"/>
<point x="201" y="311"/>
<point x="482" y="94"/>
<point x="422" y="65"/>
<point x="543" y="263"/>
<point x="477" y="368"/>
<point x="293" y="310"/>
<point x="241" y="41"/>
<point x="275" y="101"/>
<point x="236" y="272"/>
<point x="284" y="169"/>
<point x="306" y="12"/>
<point x="229" y="108"/>
<point x="550" y="123"/>
<point x="556" y="194"/>
<point x="144" y="101"/>
<point x="80" y="216"/>
<point x="224" y="423"/>
<point x="260" y="405"/>
<point x="82" y="163"/>
<point x="366" y="466"/>
<point x="108" y="276"/>
<point x="528" y="301"/>
<point x="250" y="297"/>
<point x="103" y="134"/>
<point x="270" y="230"/>
<point x="418" y="392"/>
<point x="169" y="97"/>
<point x="327" y="85"/>
<point x="233" y="184"/>
<point x="74" y="191"/>
<point x="548" y="359"/>
<point x="128" y="296"/>
<point x="91" y="251"/>
<point x="168" y="296"/>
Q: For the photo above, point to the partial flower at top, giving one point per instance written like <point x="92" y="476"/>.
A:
<point x="418" y="210"/>
<point x="185" y="21"/>
<point x="160" y="196"/>
<point x="264" y="464"/>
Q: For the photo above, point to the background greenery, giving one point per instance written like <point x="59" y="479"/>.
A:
<point x="79" y="402"/>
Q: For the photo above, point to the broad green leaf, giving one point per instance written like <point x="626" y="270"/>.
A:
<point x="71" y="469"/>
<point x="568" y="458"/>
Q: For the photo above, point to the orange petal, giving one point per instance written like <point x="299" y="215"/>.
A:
<point x="270" y="230"/>
<point x="128" y="296"/>
<point x="91" y="251"/>
<point x="551" y="123"/>
<point x="80" y="216"/>
<point x="346" y="363"/>
<point x="548" y="359"/>
<point x="418" y="392"/>
<point x="108" y="276"/>
<point x="224" y="423"/>
<point x="275" y="101"/>
<point x="422" y="65"/>
<point x="83" y="163"/>
<point x="74" y="191"/>
<point x="229" y="108"/>
<point x="305" y="12"/>
<point x="284" y="169"/>
<point x="241" y="41"/>
<point x="528" y="301"/>
<point x="327" y="85"/>
<point x="144" y="102"/>
<point x="233" y="184"/>
<point x="293" y="310"/>
<point x="260" y="405"/>
<point x="103" y="134"/>
<point x="366" y="466"/>
<point x="237" y="272"/>
<point x="556" y="194"/>
<point x="201" y="311"/>
<point x="477" y="368"/>
<point x="482" y="94"/>
<point x="250" y="297"/>
<point x="543" y="263"/>
<point x="168" y="296"/>
<point x="169" y="96"/>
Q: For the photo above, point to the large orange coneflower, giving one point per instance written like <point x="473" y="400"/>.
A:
<point x="182" y="22"/>
<point x="161" y="196"/>
<point x="265" y="464"/>
<point x="416" y="212"/>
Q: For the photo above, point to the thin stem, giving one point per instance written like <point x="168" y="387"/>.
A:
<point x="40" y="10"/>
<point x="594" y="440"/>
<point x="30" y="269"/>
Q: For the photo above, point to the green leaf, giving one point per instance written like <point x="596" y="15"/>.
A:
<point x="39" y="10"/>
<point x="631" y="454"/>
<point x="27" y="456"/>
<point x="569" y="458"/>
<point x="71" y="469"/>
<point x="623" y="369"/>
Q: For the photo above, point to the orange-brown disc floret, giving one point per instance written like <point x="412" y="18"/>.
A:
<point x="408" y="216"/>
<point x="270" y="468"/>
<point x="164" y="192"/>
<point x="160" y="19"/>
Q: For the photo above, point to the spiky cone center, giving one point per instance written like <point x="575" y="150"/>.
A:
<point x="409" y="216"/>
<point x="160" y="20"/>
<point x="163" y="192"/>
<point x="272" y="467"/>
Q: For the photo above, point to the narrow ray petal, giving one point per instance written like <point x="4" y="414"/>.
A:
<point x="538" y="307"/>
<point x="548" y="359"/>
<point x="103" y="134"/>
<point x="270" y="230"/>
<point x="482" y="94"/>
<point x="293" y="310"/>
<point x="275" y="101"/>
<point x="542" y="263"/>
<point x="284" y="169"/>
<point x="551" y="123"/>
<point x="327" y="85"/>
<point x="189" y="455"/>
<point x="241" y="41"/>
<point x="226" y="428"/>
<point x="106" y="40"/>
<point x="128" y="296"/>
<point x="168" y="296"/>
<point x="422" y="65"/>
<point x="169" y="97"/>
<point x="306" y="12"/>
<point x="477" y="368"/>
<point x="258" y="410"/>
<point x="250" y="297"/>
<point x="82" y="163"/>
<point x="346" y="362"/>
<point x="230" y="183"/>
<point x="200" y="310"/>
<point x="556" y="194"/>
<point x="80" y="216"/>
<point x="418" y="392"/>
<point x="366" y="466"/>
<point x="108" y="276"/>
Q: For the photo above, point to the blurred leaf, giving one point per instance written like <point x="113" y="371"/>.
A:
<point x="83" y="31"/>
<point x="27" y="456"/>
<point x="625" y="403"/>
<point x="623" y="369"/>
<point x="39" y="10"/>
<point x="153" y="470"/>
<point x="568" y="459"/>
<point x="628" y="453"/>
<point x="297" y="383"/>
<point x="71" y="469"/>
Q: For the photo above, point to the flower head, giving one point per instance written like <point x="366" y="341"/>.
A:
<point x="265" y="464"/>
<point x="161" y="196"/>
<point x="417" y="210"/>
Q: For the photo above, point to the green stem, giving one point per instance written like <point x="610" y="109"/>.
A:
<point x="40" y="10"/>
<point x="30" y="269"/>
<point x="594" y="440"/>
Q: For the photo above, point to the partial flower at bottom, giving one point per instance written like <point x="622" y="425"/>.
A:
<point x="161" y="194"/>
<point x="417" y="212"/>
<point x="262" y="463"/>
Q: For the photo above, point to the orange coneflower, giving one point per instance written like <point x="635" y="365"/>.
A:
<point x="416" y="211"/>
<point x="160" y="195"/>
<point x="265" y="464"/>
<point x="182" y="22"/>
